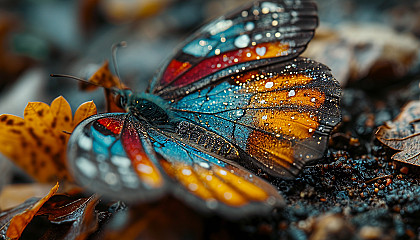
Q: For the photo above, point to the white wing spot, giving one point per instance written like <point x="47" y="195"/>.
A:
<point x="86" y="167"/>
<point x="85" y="143"/>
<point x="144" y="168"/>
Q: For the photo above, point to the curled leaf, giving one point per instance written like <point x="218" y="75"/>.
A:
<point x="403" y="134"/>
<point x="38" y="142"/>
<point x="21" y="220"/>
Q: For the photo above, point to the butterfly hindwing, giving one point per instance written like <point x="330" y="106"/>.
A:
<point x="279" y="116"/>
<point x="262" y="33"/>
<point x="209" y="181"/>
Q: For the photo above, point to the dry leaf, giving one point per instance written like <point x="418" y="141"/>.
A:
<point x="104" y="77"/>
<point x="62" y="208"/>
<point x="355" y="52"/>
<point x="403" y="134"/>
<point x="6" y="216"/>
<point x="38" y="142"/>
<point x="80" y="212"/>
<point x="69" y="217"/>
<point x="21" y="220"/>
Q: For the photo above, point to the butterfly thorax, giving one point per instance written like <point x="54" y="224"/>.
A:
<point x="148" y="108"/>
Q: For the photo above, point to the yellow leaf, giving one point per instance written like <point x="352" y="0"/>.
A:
<point x="20" y="221"/>
<point x="38" y="142"/>
<point x="85" y="110"/>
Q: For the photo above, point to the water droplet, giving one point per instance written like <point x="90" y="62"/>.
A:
<point x="261" y="51"/>
<point x="269" y="85"/>
<point x="192" y="186"/>
<point x="186" y="172"/>
<point x="242" y="41"/>
<point x="313" y="99"/>
<point x="219" y="27"/>
<point x="258" y="37"/>
<point x="227" y="195"/>
<point x="264" y="117"/>
<point x="202" y="43"/>
<point x="249" y="26"/>
<point x="291" y="93"/>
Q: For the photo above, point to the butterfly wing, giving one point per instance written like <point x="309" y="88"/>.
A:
<point x="277" y="117"/>
<point x="209" y="181"/>
<point x="262" y="33"/>
<point x="111" y="154"/>
<point x="116" y="155"/>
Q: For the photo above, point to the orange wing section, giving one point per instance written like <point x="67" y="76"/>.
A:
<point x="290" y="111"/>
<point x="217" y="184"/>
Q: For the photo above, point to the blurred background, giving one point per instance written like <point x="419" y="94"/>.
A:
<point x="366" y="43"/>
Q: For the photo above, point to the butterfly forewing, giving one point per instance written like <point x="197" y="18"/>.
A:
<point x="110" y="153"/>
<point x="262" y="33"/>
<point x="278" y="116"/>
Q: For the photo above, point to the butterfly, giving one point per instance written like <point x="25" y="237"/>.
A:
<point x="235" y="100"/>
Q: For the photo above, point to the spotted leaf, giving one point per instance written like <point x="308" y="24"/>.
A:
<point x="38" y="142"/>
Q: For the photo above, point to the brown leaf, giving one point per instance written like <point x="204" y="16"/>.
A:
<point x="79" y="212"/>
<point x="62" y="208"/>
<point x="19" y="221"/>
<point x="6" y="216"/>
<point x="403" y="134"/>
<point x="104" y="77"/>
<point x="38" y="142"/>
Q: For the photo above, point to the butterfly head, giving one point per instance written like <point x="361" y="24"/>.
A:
<point x="122" y="97"/>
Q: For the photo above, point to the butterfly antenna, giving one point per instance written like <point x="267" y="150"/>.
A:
<point x="114" y="58"/>
<point x="75" y="78"/>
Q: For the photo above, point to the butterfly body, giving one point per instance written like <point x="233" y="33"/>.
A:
<point x="234" y="101"/>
